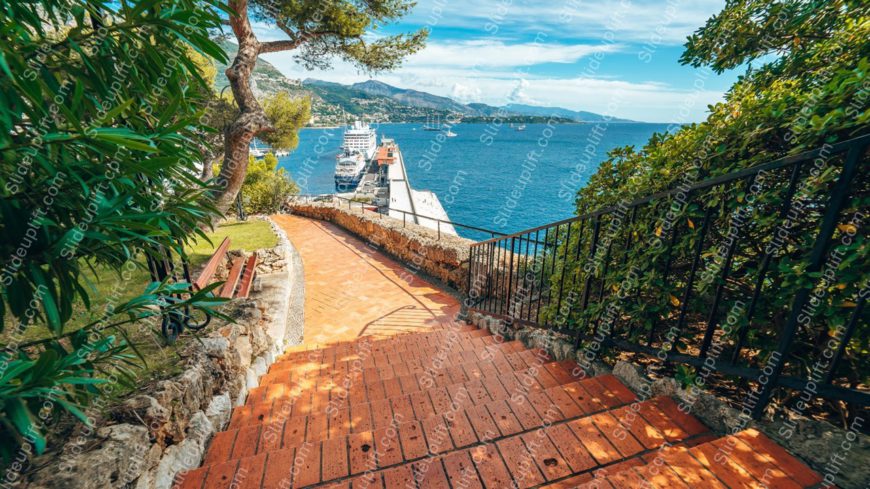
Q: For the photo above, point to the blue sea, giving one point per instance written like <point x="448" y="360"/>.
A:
<point x="490" y="175"/>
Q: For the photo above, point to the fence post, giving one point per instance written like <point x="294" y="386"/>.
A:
<point x="509" y="293"/>
<point x="564" y="271"/>
<point x="439" y="229"/>
<point x="592" y="248"/>
<point x="470" y="271"/>
<point x="817" y="258"/>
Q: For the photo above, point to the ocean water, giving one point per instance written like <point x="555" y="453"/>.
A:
<point x="490" y="176"/>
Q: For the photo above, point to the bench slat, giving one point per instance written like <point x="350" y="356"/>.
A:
<point x="233" y="278"/>
<point x="248" y="277"/>
<point x="212" y="265"/>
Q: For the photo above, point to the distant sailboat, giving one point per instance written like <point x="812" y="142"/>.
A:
<point x="433" y="123"/>
<point x="256" y="152"/>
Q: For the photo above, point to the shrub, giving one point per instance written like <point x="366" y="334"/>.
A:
<point x="266" y="186"/>
<point x="813" y="92"/>
<point x="98" y="165"/>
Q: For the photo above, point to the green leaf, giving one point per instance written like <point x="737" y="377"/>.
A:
<point x="22" y="419"/>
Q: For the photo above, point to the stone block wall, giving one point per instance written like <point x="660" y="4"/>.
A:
<point x="417" y="247"/>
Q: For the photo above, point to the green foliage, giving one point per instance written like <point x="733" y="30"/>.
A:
<point x="686" y="376"/>
<point x="287" y="115"/>
<point x="813" y="93"/>
<point x="219" y="113"/>
<point x="266" y="186"/>
<point x="98" y="164"/>
<point x="337" y="28"/>
<point x="746" y="30"/>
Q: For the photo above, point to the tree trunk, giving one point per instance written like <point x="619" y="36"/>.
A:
<point x="207" y="170"/>
<point x="251" y="119"/>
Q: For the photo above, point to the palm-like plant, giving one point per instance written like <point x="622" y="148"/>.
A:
<point x="100" y="108"/>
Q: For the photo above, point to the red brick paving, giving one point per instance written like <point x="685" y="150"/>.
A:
<point x="432" y="404"/>
<point x="559" y="432"/>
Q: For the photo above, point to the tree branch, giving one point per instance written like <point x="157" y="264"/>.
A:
<point x="282" y="45"/>
<point x="296" y="40"/>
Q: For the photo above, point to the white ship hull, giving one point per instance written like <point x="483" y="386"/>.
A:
<point x="358" y="147"/>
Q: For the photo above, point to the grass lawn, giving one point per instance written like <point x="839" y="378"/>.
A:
<point x="247" y="235"/>
<point x="244" y="235"/>
<point x="108" y="287"/>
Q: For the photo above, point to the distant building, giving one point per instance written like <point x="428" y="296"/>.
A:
<point x="385" y="157"/>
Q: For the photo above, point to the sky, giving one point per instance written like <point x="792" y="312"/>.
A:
<point x="615" y="57"/>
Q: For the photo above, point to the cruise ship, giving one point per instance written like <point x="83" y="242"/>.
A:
<point x="357" y="148"/>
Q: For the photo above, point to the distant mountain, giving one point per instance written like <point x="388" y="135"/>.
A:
<point x="335" y="103"/>
<point x="576" y="115"/>
<point x="388" y="103"/>
<point x="413" y="98"/>
<point x="365" y="101"/>
<point x="486" y="110"/>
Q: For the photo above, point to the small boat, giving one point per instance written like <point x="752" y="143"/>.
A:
<point x="450" y="134"/>
<point x="433" y="123"/>
<point x="256" y="151"/>
<point x="521" y="127"/>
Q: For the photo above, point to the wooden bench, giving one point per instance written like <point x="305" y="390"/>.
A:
<point x="241" y="276"/>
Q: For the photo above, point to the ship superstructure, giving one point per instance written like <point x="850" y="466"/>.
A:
<point x="358" y="146"/>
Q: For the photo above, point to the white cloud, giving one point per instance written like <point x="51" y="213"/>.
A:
<point x="465" y="93"/>
<point x="519" y="96"/>
<point x="644" y="101"/>
<point x="495" y="67"/>
<point x="648" y="101"/>
<point x="498" y="54"/>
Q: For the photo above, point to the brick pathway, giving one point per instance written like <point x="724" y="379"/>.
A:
<point x="449" y="406"/>
<point x="352" y="290"/>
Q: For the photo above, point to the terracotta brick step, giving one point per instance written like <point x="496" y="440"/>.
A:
<point x="599" y="474"/>
<point x="748" y="459"/>
<point x="509" y="415"/>
<point x="389" y="357"/>
<point x="405" y="363"/>
<point x="365" y="343"/>
<point x="386" y="366"/>
<point x="488" y="445"/>
<point x="356" y="417"/>
<point x="356" y="387"/>
<point x="417" y="360"/>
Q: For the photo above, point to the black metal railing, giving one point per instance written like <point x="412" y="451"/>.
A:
<point x="474" y="232"/>
<point x="759" y="274"/>
<point x="164" y="265"/>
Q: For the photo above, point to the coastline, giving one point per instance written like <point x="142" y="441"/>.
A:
<point x="469" y="175"/>
<point x="561" y="123"/>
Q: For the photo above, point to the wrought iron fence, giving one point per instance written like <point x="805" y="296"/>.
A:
<point x="760" y="274"/>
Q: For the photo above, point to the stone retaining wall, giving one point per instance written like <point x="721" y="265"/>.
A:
<point x="816" y="442"/>
<point x="164" y="427"/>
<point x="417" y="247"/>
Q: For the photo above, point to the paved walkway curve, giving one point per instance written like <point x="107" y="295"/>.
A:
<point x="352" y="290"/>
